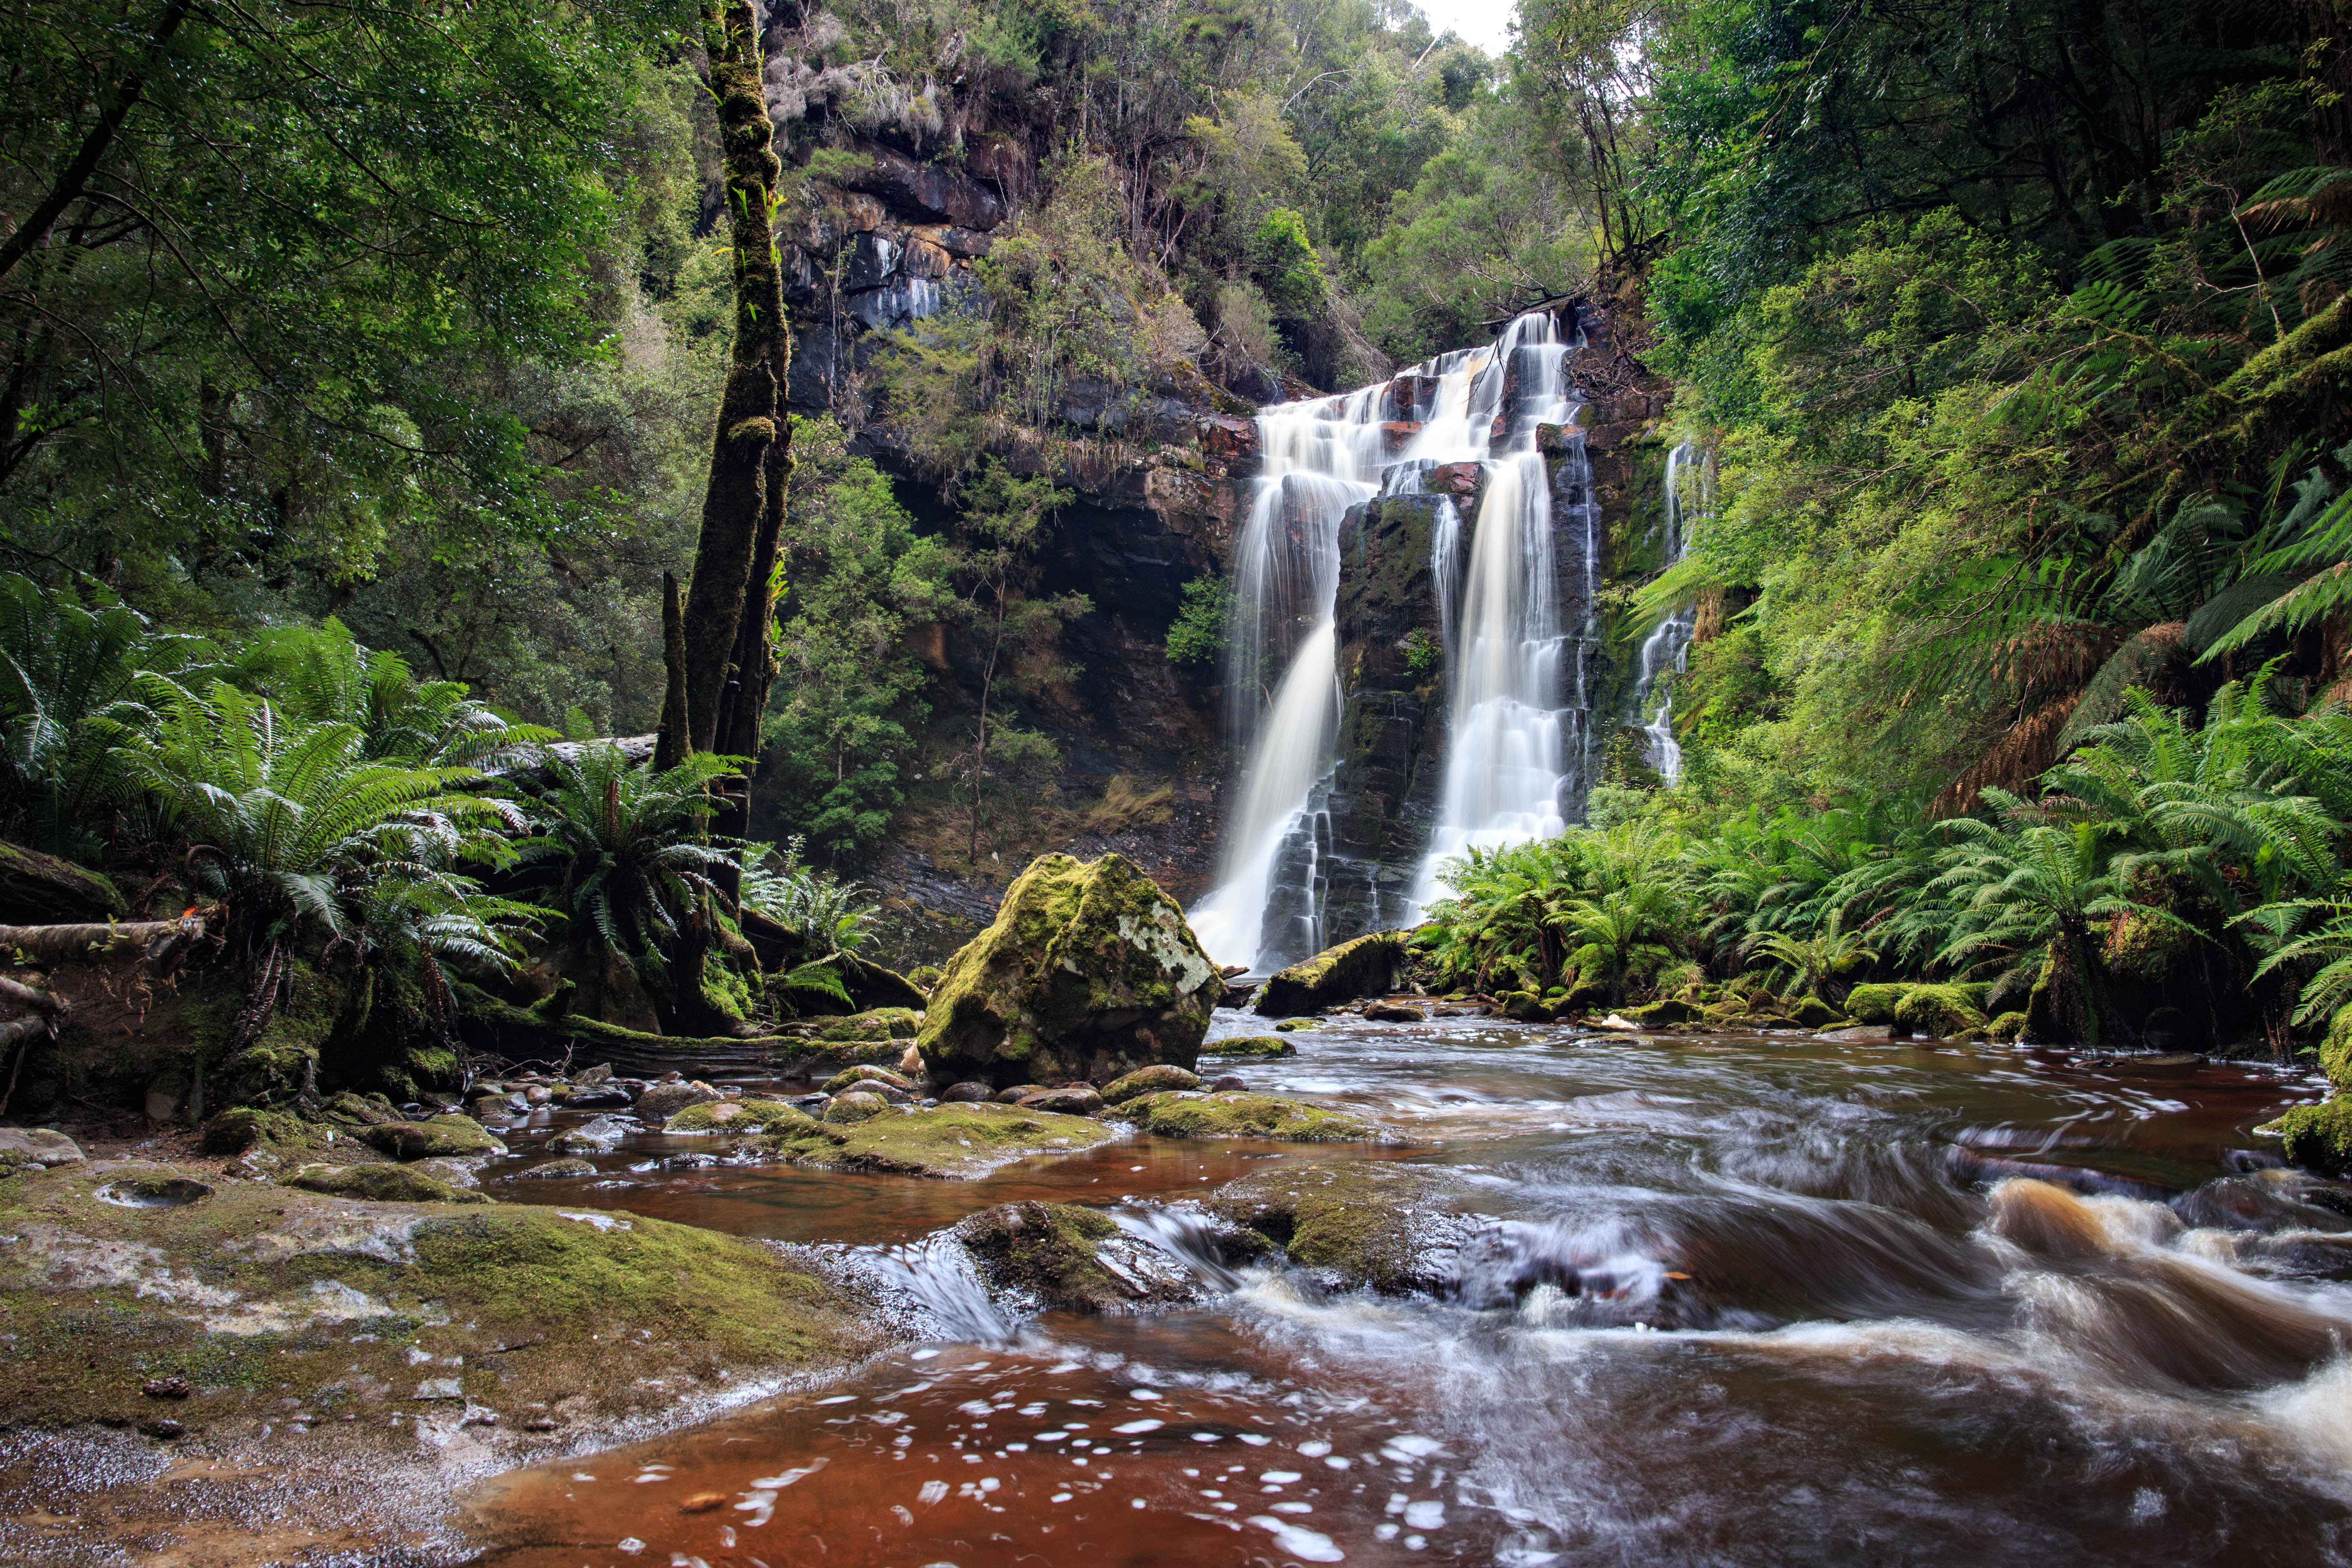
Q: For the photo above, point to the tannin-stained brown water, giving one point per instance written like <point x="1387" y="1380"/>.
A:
<point x="1729" y="1299"/>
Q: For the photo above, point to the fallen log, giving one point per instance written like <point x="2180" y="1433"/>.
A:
<point x="158" y="945"/>
<point x="14" y="991"/>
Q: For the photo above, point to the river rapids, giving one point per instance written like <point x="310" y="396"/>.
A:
<point x="1688" y="1299"/>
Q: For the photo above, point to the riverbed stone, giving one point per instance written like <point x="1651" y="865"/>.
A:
<point x="1392" y="1227"/>
<point x="1088" y="972"/>
<point x="732" y="1116"/>
<point x="661" y="1101"/>
<point x="1292" y="1025"/>
<point x="380" y="1183"/>
<point x="1194" y="1113"/>
<point x="21" y="1146"/>
<point x="1249" y="1045"/>
<point x="841" y="1080"/>
<point x="957" y="1141"/>
<point x="966" y="1093"/>
<point x="857" y="1105"/>
<point x="1363" y="967"/>
<point x="556" y="1170"/>
<point x="1065" y="1256"/>
<point x="600" y="1136"/>
<point x="1144" y="1080"/>
<point x="1395" y="1013"/>
<point x="438" y="1137"/>
<point x="1070" y="1099"/>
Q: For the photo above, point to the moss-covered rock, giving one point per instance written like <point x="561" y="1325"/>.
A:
<point x="379" y="1184"/>
<point x="2336" y="1050"/>
<point x="23" y="1146"/>
<point x="1664" y="1015"/>
<point x="1939" y="1012"/>
<point x="2007" y="1029"/>
<point x="881" y="1024"/>
<point x="947" y="1140"/>
<point x="243" y="1129"/>
<point x="1363" y="1223"/>
<point x="1260" y="1045"/>
<point x="734" y="1116"/>
<point x="855" y="1106"/>
<point x="1145" y="1080"/>
<point x="440" y="1137"/>
<point x="1236" y="1113"/>
<point x="1364" y="967"/>
<point x="867" y="1074"/>
<point x="261" y="1291"/>
<point x="1874" y="1003"/>
<point x="1812" y="1013"/>
<point x="2318" y="1137"/>
<point x="1054" y="1254"/>
<point x="661" y="1101"/>
<point x="1524" y="1007"/>
<point x="561" y="1170"/>
<point x="1088" y="972"/>
<point x="1298" y="1026"/>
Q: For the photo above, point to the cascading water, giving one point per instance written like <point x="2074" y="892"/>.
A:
<point x="1667" y="647"/>
<point x="1517" y="733"/>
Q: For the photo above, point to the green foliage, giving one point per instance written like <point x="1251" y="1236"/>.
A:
<point x="1424" y="651"/>
<point x="616" y="846"/>
<point x="1284" y="263"/>
<point x="1198" y="634"/>
<point x="829" y="912"/>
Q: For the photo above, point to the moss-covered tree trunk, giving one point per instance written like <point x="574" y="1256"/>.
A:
<point x="735" y="506"/>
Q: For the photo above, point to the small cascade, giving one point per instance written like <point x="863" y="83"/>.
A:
<point x="1518" y="736"/>
<point x="1667" y="647"/>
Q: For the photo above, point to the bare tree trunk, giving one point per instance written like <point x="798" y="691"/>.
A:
<point x="155" y="943"/>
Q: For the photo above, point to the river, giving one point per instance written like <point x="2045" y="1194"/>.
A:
<point x="1697" y="1299"/>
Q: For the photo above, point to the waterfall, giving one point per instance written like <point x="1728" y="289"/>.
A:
<point x="1667" y="647"/>
<point x="1518" y="736"/>
<point x="1515" y="763"/>
<point x="1321" y="457"/>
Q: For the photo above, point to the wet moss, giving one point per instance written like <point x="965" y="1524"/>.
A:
<point x="379" y="1183"/>
<point x="438" y="1137"/>
<point x="1046" y="1250"/>
<point x="1939" y="1012"/>
<point x="1874" y="1003"/>
<point x="1256" y="1045"/>
<point x="1363" y="967"/>
<point x="735" y="1116"/>
<point x="1147" y="1081"/>
<point x="841" y="1080"/>
<point x="2336" y="1050"/>
<point x="1358" y="1224"/>
<point x="949" y="1140"/>
<point x="881" y="1024"/>
<point x="2006" y="1028"/>
<point x="2318" y="1137"/>
<point x="1237" y="1114"/>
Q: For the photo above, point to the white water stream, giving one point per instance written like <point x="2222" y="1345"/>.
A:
<point x="1667" y="647"/>
<point x="1516" y="703"/>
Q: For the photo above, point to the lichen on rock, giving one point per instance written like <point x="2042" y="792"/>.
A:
<point x="1235" y="1113"/>
<point x="1364" y="967"/>
<point x="1088" y="973"/>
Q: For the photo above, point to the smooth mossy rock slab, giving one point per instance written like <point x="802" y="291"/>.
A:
<point x="881" y="1024"/>
<point x="960" y="1140"/>
<point x="318" y="1297"/>
<point x="1361" y="1224"/>
<point x="379" y="1184"/>
<point x="2318" y="1137"/>
<point x="840" y="1081"/>
<point x="1249" y="1046"/>
<point x="735" y="1116"/>
<point x="439" y="1136"/>
<point x="1148" y="1080"/>
<point x="1088" y="973"/>
<point x="1236" y="1113"/>
<point x="1364" y="967"/>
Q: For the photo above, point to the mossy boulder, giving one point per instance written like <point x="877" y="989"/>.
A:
<point x="1088" y="973"/>
<point x="243" y="1129"/>
<point x="1664" y="1015"/>
<point x="1364" y="967"/>
<point x="661" y="1101"/>
<point x="379" y="1184"/>
<point x="857" y="1105"/>
<point x="1874" y="1003"/>
<point x="1146" y="1080"/>
<point x="1524" y="1007"/>
<point x="561" y="1170"/>
<point x="2318" y="1137"/>
<point x="867" y="1074"/>
<point x="1072" y="1259"/>
<point x="1261" y="1046"/>
<point x="947" y="1140"/>
<point x="2336" y="1050"/>
<point x="1939" y="1012"/>
<point x="1296" y="1025"/>
<point x="733" y="1116"/>
<point x="439" y="1136"/>
<point x="2007" y="1029"/>
<point x="1237" y="1113"/>
<point x="1359" y="1223"/>
<point x="881" y="1024"/>
<point x="1812" y="1013"/>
